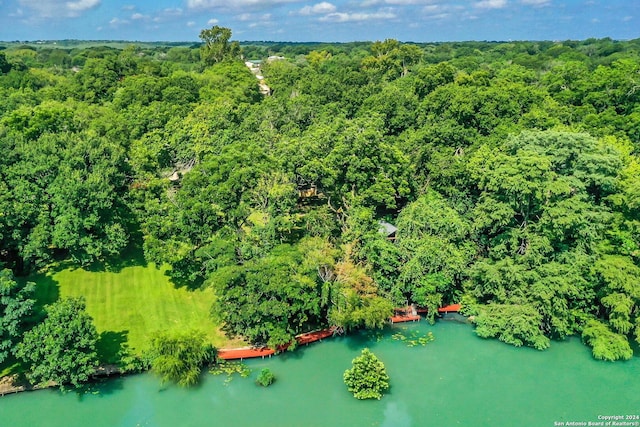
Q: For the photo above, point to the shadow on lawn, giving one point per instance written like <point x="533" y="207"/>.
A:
<point x="47" y="292"/>
<point x="132" y="256"/>
<point x="112" y="346"/>
<point x="179" y="281"/>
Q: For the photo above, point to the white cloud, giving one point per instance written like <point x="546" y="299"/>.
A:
<point x="168" y="15"/>
<point x="117" y="22"/>
<point x="235" y="4"/>
<point x="357" y="17"/>
<point x="318" y="9"/>
<point x="491" y="4"/>
<point x="253" y="16"/>
<point x="435" y="12"/>
<point x="441" y="11"/>
<point x="172" y="11"/>
<point x="212" y="21"/>
<point x="140" y="17"/>
<point x="128" y="7"/>
<point x="408" y="2"/>
<point x="81" y="5"/>
<point x="59" y="8"/>
<point x="255" y="19"/>
<point x="369" y="3"/>
<point x="191" y="24"/>
<point x="259" y="24"/>
<point x="536" y="2"/>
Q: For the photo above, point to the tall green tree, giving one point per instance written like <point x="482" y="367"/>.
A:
<point x="61" y="349"/>
<point x="435" y="249"/>
<point x="5" y="66"/>
<point x="216" y="46"/>
<point x="16" y="306"/>
<point x="269" y="299"/>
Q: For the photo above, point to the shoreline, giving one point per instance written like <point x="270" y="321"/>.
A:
<point x="8" y="383"/>
<point x="12" y="384"/>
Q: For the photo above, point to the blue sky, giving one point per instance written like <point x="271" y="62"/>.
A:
<point x="331" y="20"/>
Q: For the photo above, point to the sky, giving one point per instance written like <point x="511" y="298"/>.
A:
<point x="324" y="21"/>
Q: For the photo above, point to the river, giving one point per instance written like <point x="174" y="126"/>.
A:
<point x="456" y="380"/>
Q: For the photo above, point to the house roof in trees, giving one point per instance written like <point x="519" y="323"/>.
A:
<point x="387" y="229"/>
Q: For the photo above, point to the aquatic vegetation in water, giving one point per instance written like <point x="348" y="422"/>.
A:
<point x="413" y="338"/>
<point x="374" y="335"/>
<point x="230" y="368"/>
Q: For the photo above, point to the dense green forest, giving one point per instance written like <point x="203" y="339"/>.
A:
<point x="510" y="170"/>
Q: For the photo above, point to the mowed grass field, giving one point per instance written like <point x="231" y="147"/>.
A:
<point x="134" y="303"/>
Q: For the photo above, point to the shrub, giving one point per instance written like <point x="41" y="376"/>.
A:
<point x="265" y="378"/>
<point x="179" y="357"/>
<point x="367" y="378"/>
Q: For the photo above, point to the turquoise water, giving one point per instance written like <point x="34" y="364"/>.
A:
<point x="457" y="380"/>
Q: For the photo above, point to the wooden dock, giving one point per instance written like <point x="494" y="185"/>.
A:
<point x="453" y="308"/>
<point x="405" y="318"/>
<point x="245" y="353"/>
<point x="309" y="337"/>
<point x="253" y="352"/>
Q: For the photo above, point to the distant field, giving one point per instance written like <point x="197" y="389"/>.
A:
<point x="133" y="303"/>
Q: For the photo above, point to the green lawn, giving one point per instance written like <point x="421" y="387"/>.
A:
<point x="133" y="303"/>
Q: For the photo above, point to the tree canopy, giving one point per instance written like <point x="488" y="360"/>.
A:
<point x="510" y="172"/>
<point x="61" y="349"/>
<point x="16" y="304"/>
<point x="367" y="378"/>
<point x="179" y="357"/>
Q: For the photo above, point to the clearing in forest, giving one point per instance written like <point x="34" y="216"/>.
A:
<point x="132" y="303"/>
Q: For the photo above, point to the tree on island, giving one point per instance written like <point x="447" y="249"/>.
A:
<point x="62" y="348"/>
<point x="265" y="378"/>
<point x="367" y="378"/>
